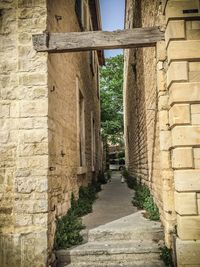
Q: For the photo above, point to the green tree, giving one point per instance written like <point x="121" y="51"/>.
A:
<point x="111" y="86"/>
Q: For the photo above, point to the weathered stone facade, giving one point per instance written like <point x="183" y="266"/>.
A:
<point x="162" y="118"/>
<point x="39" y="138"/>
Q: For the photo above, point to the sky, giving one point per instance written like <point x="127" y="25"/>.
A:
<point x="112" y="15"/>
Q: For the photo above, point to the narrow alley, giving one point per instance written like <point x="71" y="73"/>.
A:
<point x="116" y="233"/>
<point x="72" y="111"/>
<point x="114" y="202"/>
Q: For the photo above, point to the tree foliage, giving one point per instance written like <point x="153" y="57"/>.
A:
<point x="111" y="86"/>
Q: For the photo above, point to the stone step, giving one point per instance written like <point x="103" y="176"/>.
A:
<point x="125" y="252"/>
<point x="103" y="264"/>
<point x="131" y="227"/>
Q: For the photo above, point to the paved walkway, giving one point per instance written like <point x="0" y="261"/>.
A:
<point x="114" y="202"/>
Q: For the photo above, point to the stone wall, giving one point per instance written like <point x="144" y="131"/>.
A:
<point x="23" y="135"/>
<point x="170" y="156"/>
<point x="38" y="137"/>
<point x="65" y="73"/>
<point x="183" y="83"/>
<point x="141" y="100"/>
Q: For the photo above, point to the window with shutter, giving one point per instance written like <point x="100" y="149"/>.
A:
<point x="82" y="12"/>
<point x="79" y="12"/>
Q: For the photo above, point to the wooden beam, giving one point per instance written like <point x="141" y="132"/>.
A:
<point x="97" y="40"/>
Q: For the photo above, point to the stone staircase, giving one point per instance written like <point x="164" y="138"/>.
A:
<point x="127" y="242"/>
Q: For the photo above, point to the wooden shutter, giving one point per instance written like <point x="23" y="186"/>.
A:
<point x="79" y="12"/>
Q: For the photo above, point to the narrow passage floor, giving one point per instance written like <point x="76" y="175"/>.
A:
<point x="114" y="202"/>
<point x="117" y="235"/>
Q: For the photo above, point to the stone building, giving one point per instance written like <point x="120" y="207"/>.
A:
<point x="49" y="124"/>
<point x="162" y="118"/>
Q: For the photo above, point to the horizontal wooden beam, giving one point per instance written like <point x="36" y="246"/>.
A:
<point x="97" y="40"/>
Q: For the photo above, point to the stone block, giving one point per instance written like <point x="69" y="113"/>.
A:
<point x="182" y="158"/>
<point x="40" y="219"/>
<point x="194" y="71"/>
<point x="23" y="220"/>
<point x="36" y="135"/>
<point x="35" y="108"/>
<point x="24" y="38"/>
<point x="33" y="79"/>
<point x="179" y="114"/>
<point x="165" y="140"/>
<point x="191" y="50"/>
<point x="177" y="72"/>
<point x="186" y="136"/>
<point x="31" y="4"/>
<point x="14" y="109"/>
<point x="161" y="81"/>
<point x="161" y="52"/>
<point x="163" y="102"/>
<point x="4" y="136"/>
<point x="196" y="157"/>
<point x="168" y="202"/>
<point x="195" y="119"/>
<point x="30" y="184"/>
<point x="188" y="252"/>
<point x="163" y="120"/>
<point x="192" y="30"/>
<point x="186" y="203"/>
<point x="165" y="160"/>
<point x="184" y="92"/>
<point x="175" y="30"/>
<point x="188" y="227"/>
<point x="4" y="111"/>
<point x="195" y="109"/>
<point x="198" y="205"/>
<point x="175" y="9"/>
<point x="187" y="180"/>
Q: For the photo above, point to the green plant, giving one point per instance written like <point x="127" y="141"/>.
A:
<point x="141" y="193"/>
<point x="96" y="185"/>
<point x="144" y="200"/>
<point x="111" y="87"/>
<point x="68" y="231"/>
<point x="166" y="256"/>
<point x="130" y="180"/>
<point x="101" y="178"/>
<point x="68" y="227"/>
<point x="151" y="208"/>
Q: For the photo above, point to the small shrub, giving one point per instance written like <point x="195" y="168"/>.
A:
<point x="141" y="193"/>
<point x="68" y="231"/>
<point x="166" y="256"/>
<point x="96" y="185"/>
<point x="83" y="206"/>
<point x="152" y="209"/>
<point x="144" y="200"/>
<point x="130" y="180"/>
<point x="68" y="227"/>
<point x="101" y="178"/>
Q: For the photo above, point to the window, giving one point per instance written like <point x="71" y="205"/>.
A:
<point x="93" y="142"/>
<point x="82" y="12"/>
<point x="80" y="126"/>
<point x="85" y="17"/>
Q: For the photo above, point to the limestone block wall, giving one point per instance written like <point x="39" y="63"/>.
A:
<point x="183" y="82"/>
<point x="141" y="100"/>
<point x="39" y="166"/>
<point x="67" y="73"/>
<point x="23" y="135"/>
